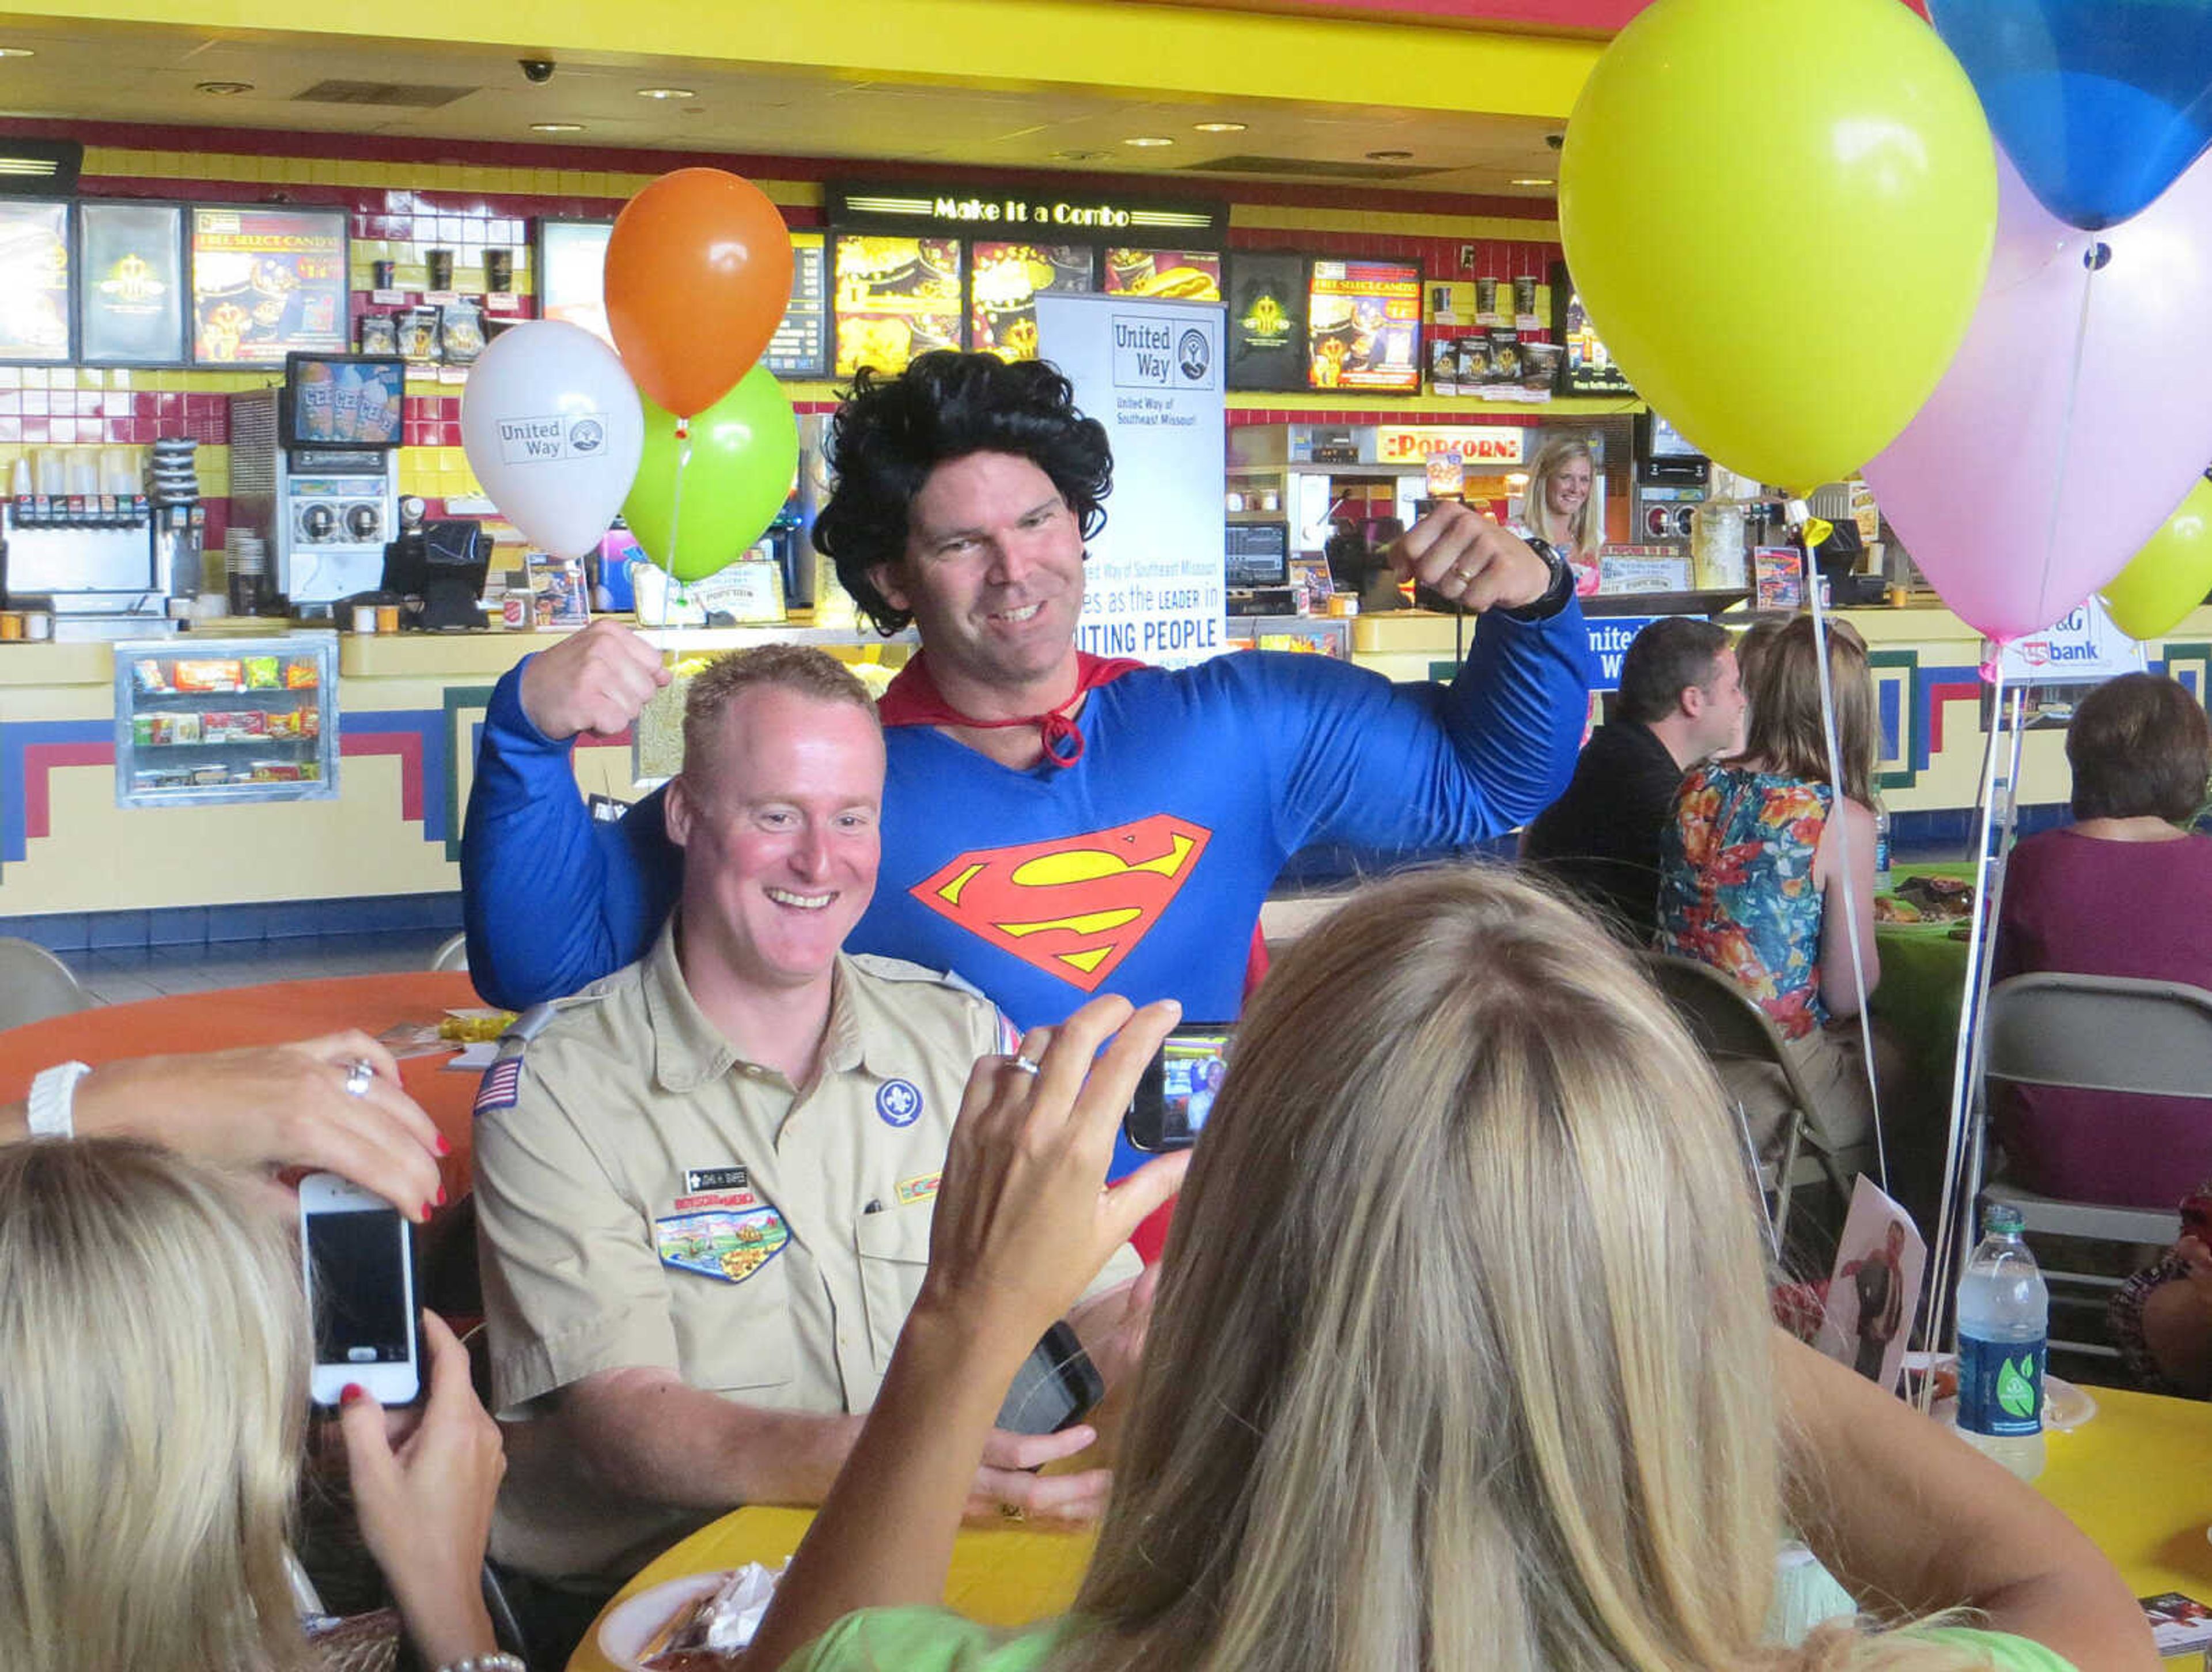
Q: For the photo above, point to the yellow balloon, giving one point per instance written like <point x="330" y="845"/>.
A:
<point x="1779" y="213"/>
<point x="2170" y="575"/>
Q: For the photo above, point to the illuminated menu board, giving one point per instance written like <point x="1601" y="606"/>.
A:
<point x="267" y="283"/>
<point x="1180" y="276"/>
<point x="1004" y="282"/>
<point x="34" y="282"/>
<point x="896" y="298"/>
<point x="572" y="270"/>
<point x="801" y="347"/>
<point x="132" y="309"/>
<point x="1363" y="327"/>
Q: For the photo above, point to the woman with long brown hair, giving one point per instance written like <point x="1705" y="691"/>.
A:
<point x="1461" y="1358"/>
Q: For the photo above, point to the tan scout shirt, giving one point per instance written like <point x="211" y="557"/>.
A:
<point x="652" y="1200"/>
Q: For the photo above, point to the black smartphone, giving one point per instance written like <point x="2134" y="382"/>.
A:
<point x="1177" y="1091"/>
<point x="1055" y="1387"/>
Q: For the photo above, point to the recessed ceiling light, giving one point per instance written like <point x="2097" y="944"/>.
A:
<point x="1389" y="157"/>
<point x="557" y="127"/>
<point x="1220" y="127"/>
<point x="665" y="93"/>
<point x="1148" y="140"/>
<point x="226" y="90"/>
<point x="18" y="53"/>
<point x="1536" y="180"/>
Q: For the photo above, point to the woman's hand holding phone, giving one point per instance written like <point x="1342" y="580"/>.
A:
<point x="425" y="1507"/>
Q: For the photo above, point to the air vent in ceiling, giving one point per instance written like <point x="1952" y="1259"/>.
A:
<point x="407" y="96"/>
<point x="1310" y="167"/>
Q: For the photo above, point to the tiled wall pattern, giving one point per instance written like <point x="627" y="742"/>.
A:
<point x="399" y="210"/>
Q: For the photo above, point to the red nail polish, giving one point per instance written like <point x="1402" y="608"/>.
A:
<point x="352" y="1393"/>
<point x="430" y="1208"/>
<point x="442" y="1195"/>
<point x="444" y="1149"/>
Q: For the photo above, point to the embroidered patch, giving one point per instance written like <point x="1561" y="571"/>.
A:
<point x="899" y="1103"/>
<point x="912" y="1190"/>
<point x="719" y="1243"/>
<point x="501" y="1085"/>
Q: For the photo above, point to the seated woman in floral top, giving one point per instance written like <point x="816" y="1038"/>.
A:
<point x="1750" y="875"/>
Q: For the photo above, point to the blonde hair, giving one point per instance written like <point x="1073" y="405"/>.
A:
<point x="153" y="1387"/>
<point x="792" y="667"/>
<point x="1536" y="509"/>
<point x="1784" y="733"/>
<point x="1462" y="1357"/>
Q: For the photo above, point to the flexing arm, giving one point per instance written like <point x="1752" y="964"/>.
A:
<point x="553" y="900"/>
<point x="1910" y="1519"/>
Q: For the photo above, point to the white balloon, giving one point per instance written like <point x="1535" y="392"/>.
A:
<point x="553" y="430"/>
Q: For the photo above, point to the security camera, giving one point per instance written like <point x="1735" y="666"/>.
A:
<point x="1556" y="141"/>
<point x="537" y="71"/>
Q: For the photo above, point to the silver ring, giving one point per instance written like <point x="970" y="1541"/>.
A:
<point x="360" y="1074"/>
<point x="1025" y="1066"/>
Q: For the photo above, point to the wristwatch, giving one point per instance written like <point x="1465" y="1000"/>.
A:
<point x="1555" y="595"/>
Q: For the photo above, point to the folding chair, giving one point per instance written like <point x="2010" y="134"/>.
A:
<point x="34" y="984"/>
<point x="1728" y="1026"/>
<point x="2096" y="1033"/>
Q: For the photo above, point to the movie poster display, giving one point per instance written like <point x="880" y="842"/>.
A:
<point x="34" y="282"/>
<point x="1267" y="321"/>
<point x="572" y="267"/>
<point x="132" y="309"/>
<point x="1173" y="276"/>
<point x="896" y="298"/>
<point x="1005" y="281"/>
<point x="267" y="283"/>
<point x="1363" y="327"/>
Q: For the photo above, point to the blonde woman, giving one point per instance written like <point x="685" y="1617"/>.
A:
<point x="1558" y="507"/>
<point x="154" y="1352"/>
<point x="1461" y="1358"/>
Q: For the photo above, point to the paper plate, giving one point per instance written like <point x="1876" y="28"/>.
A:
<point x="2065" y="1406"/>
<point x="628" y="1628"/>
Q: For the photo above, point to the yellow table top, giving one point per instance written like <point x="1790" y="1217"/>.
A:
<point x="2137" y="1478"/>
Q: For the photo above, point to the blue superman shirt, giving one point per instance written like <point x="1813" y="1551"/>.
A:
<point x="1140" y="870"/>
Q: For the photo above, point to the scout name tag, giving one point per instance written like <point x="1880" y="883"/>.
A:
<point x="729" y="1246"/>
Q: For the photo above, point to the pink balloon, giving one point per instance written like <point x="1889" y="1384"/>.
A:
<point x="2017" y="497"/>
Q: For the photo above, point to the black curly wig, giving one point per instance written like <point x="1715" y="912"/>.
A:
<point x="891" y="432"/>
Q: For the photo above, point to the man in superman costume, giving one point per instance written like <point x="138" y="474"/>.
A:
<point x="1055" y="824"/>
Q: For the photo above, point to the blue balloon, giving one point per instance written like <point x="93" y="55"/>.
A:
<point x="2100" y="104"/>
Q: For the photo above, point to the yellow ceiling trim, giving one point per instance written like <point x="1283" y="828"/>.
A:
<point x="1169" y="53"/>
<point x="1291" y="217"/>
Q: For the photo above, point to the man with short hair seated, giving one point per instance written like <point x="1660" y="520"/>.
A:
<point x="1681" y="702"/>
<point x="706" y="1189"/>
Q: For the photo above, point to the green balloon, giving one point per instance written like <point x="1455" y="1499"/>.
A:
<point x="744" y="451"/>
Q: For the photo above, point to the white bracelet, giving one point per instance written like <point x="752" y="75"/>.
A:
<point x="499" y="1663"/>
<point x="53" y="1093"/>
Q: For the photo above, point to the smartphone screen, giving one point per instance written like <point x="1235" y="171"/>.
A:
<point x="360" y="1285"/>
<point x="1177" y="1094"/>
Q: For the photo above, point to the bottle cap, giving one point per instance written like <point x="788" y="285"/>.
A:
<point x="2002" y="1217"/>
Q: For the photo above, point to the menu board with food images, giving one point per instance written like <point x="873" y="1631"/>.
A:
<point x="1363" y="327"/>
<point x="1267" y="321"/>
<point x="1004" y="283"/>
<point x="34" y="282"/>
<point x="801" y="347"/>
<point x="1178" y="275"/>
<point x="896" y="298"/>
<point x="267" y="283"/>
<point x="132" y="311"/>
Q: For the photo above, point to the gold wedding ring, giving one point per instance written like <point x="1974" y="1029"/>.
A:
<point x="1013" y="1512"/>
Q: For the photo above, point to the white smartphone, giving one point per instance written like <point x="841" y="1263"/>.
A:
<point x="358" y="1256"/>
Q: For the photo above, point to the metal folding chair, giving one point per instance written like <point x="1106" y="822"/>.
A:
<point x="34" y="984"/>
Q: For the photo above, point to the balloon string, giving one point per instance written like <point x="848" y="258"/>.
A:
<point x="1962" y="1135"/>
<point x="2042" y="610"/>
<point x="1812" y="581"/>
<point x="676" y="505"/>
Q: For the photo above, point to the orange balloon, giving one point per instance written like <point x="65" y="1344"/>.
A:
<point x="698" y="276"/>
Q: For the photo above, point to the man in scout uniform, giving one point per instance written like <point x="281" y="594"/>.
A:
<point x="705" y="1192"/>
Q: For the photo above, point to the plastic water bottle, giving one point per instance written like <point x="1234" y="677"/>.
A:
<point x="1881" y="846"/>
<point x="2004" y="1323"/>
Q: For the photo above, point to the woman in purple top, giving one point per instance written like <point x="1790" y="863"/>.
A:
<point x="2126" y="889"/>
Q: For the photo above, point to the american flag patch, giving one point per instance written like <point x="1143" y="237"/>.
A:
<point x="501" y="1084"/>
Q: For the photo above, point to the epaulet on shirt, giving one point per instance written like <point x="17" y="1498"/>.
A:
<point x="503" y="1082"/>
<point x="898" y="970"/>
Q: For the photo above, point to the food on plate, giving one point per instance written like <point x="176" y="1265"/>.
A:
<point x="708" y="1632"/>
<point x="1889" y="910"/>
<point x="1939" y="899"/>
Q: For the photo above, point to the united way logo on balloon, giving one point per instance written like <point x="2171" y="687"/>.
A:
<point x="586" y="436"/>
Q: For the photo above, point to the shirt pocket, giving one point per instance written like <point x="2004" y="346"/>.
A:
<point x="733" y="1336"/>
<point x="894" y="1249"/>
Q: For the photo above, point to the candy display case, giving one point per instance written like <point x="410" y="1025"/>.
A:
<point x="202" y="721"/>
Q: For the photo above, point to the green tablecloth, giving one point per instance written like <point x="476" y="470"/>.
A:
<point x="1923" y="973"/>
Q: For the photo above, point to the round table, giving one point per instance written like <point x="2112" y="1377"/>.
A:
<point x="268" y="1015"/>
<point x="1924" y="976"/>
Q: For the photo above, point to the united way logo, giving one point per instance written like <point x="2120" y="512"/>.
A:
<point x="899" y="1103"/>
<point x="586" y="435"/>
<point x="1193" y="354"/>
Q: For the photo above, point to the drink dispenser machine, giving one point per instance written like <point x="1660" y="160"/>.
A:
<point x="313" y="469"/>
